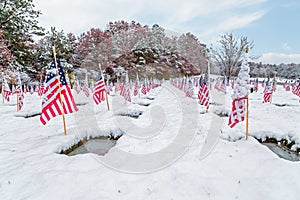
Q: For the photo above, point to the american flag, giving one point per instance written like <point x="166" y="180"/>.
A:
<point x="136" y="89"/>
<point x="53" y="103"/>
<point x="77" y="87"/>
<point x="20" y="94"/>
<point x="127" y="94"/>
<point x="255" y="84"/>
<point x="13" y="90"/>
<point x="238" y="111"/>
<point x="99" y="91"/>
<point x="190" y="90"/>
<point x="85" y="90"/>
<point x="267" y="94"/>
<point x="287" y="88"/>
<point x="126" y="89"/>
<point x="41" y="89"/>
<point x="203" y="95"/>
<point x="223" y="85"/>
<point x="20" y="100"/>
<point x="85" y="87"/>
<point x="6" y="91"/>
<point x="144" y="89"/>
<point x="122" y="89"/>
<point x="296" y="89"/>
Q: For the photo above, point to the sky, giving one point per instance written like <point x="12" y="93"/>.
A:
<point x="270" y="24"/>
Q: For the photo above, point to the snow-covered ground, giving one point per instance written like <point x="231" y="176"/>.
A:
<point x="160" y="156"/>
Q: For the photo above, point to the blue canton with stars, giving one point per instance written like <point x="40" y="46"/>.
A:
<point x="52" y="72"/>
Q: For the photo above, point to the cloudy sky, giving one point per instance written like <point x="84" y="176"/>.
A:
<point x="272" y="24"/>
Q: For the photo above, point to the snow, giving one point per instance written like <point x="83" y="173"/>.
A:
<point x="166" y="153"/>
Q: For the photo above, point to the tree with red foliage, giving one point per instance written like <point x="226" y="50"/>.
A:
<point x="5" y="54"/>
<point x="94" y="47"/>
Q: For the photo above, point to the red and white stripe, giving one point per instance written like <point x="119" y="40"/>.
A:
<point x="53" y="104"/>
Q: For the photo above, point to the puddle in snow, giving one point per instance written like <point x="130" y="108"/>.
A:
<point x="135" y="114"/>
<point x="28" y="115"/>
<point x="283" y="152"/>
<point x="100" y="146"/>
<point x="149" y="98"/>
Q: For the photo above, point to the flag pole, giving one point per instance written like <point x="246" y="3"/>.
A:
<point x="106" y="95"/>
<point x="138" y="82"/>
<point x="40" y="83"/>
<point x="59" y="89"/>
<point x="208" y="81"/>
<point x="247" y="108"/>
<point x="273" y="88"/>
<point x="17" y="97"/>
<point x="2" y="89"/>
<point x="247" y="117"/>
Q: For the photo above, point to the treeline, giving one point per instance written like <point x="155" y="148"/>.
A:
<point x="136" y="47"/>
<point x="290" y="71"/>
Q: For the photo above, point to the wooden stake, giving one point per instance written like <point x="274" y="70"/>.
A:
<point x="59" y="89"/>
<point x="17" y="100"/>
<point x="40" y="85"/>
<point x="106" y="95"/>
<point x="2" y="92"/>
<point x="273" y="88"/>
<point x="247" y="117"/>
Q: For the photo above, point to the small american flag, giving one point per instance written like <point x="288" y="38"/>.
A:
<point x="41" y="89"/>
<point x="77" y="87"/>
<point x="238" y="111"/>
<point x="190" y="90"/>
<point x="86" y="91"/>
<point x="267" y="94"/>
<point x="53" y="103"/>
<point x="296" y="88"/>
<point x="127" y="94"/>
<point x="136" y="89"/>
<point x="20" y="100"/>
<point x="99" y="91"/>
<point x="203" y="95"/>
<point x="6" y="91"/>
<point x="144" y="89"/>
<point x="122" y="89"/>
<point x="20" y="94"/>
<point x="223" y="85"/>
<point x="126" y="89"/>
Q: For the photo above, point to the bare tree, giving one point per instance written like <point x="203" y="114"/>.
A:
<point x="228" y="55"/>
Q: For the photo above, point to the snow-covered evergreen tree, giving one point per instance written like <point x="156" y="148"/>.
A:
<point x="242" y="88"/>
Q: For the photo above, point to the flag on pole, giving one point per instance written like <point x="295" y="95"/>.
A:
<point x="122" y="89"/>
<point x="53" y="103"/>
<point x="144" y="89"/>
<point x="190" y="89"/>
<point x="85" y="87"/>
<point x="6" y="91"/>
<point x="77" y="86"/>
<point x="203" y="94"/>
<point x="99" y="90"/>
<point x="267" y="94"/>
<point x="136" y="89"/>
<point x="127" y="96"/>
<point x="20" y="94"/>
<point x="41" y="89"/>
<point x="238" y="111"/>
